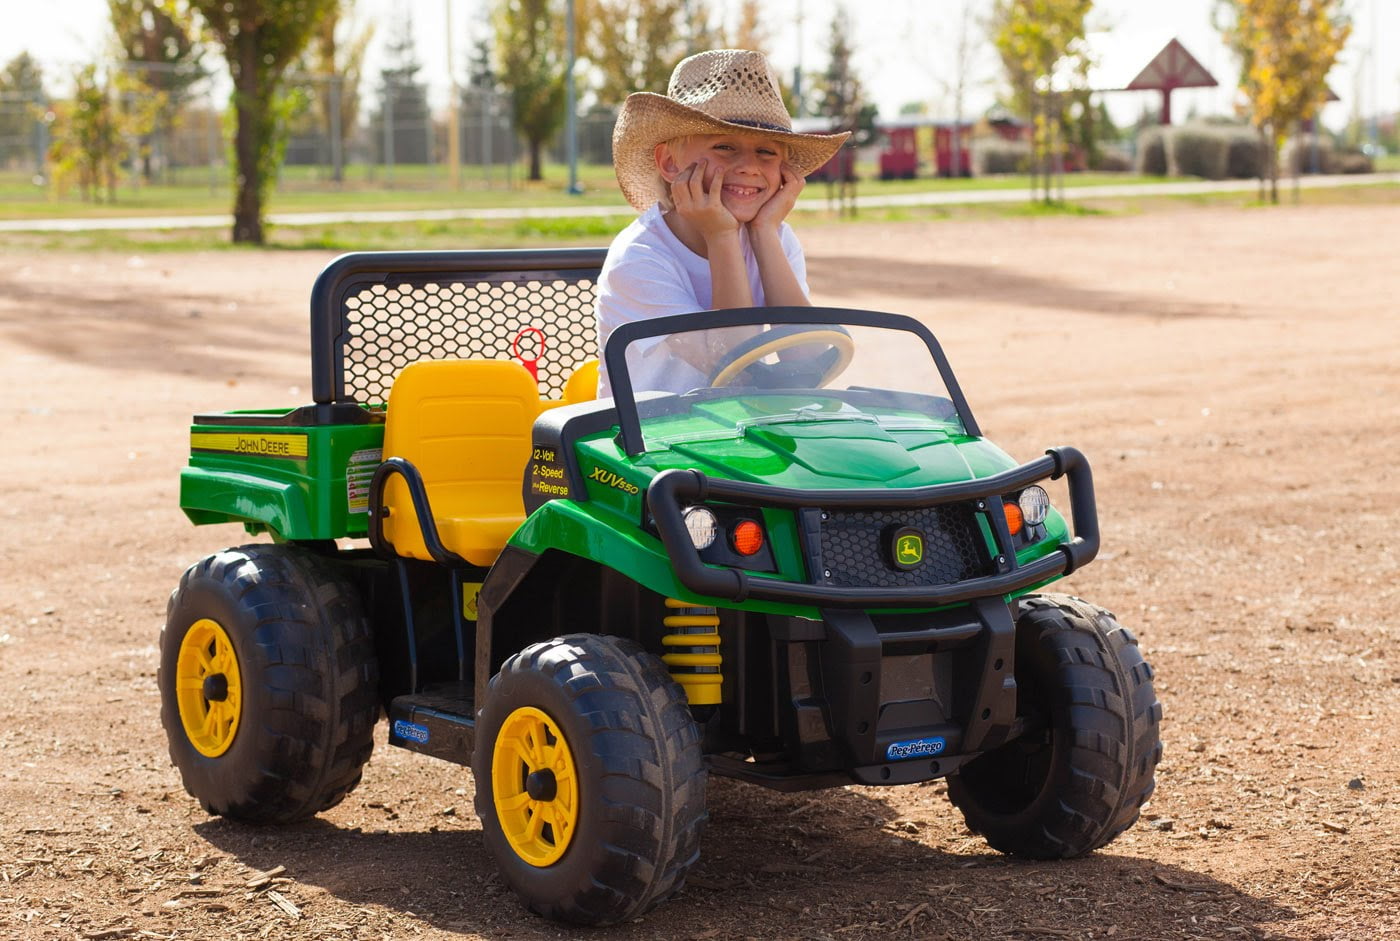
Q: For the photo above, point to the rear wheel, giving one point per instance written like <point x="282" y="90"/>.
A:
<point x="589" y="779"/>
<point x="268" y="684"/>
<point x="1079" y="777"/>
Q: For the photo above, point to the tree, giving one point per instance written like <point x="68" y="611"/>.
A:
<point x="402" y="126"/>
<point x="1286" y="49"/>
<point x="335" y="59"/>
<point x="750" y="31"/>
<point x="840" y="96"/>
<point x="633" y="45"/>
<point x="260" y="38"/>
<point x="532" y="59"/>
<point x="161" y="52"/>
<point x="1043" y="50"/>
<point x="92" y="132"/>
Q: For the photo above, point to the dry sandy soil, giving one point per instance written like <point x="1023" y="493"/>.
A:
<point x="1234" y="375"/>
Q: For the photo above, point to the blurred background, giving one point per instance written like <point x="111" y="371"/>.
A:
<point x="134" y="102"/>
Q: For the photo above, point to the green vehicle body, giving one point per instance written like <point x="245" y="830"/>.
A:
<point x="891" y="667"/>
<point x="319" y="492"/>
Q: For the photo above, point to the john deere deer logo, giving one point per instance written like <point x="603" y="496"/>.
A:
<point x="908" y="548"/>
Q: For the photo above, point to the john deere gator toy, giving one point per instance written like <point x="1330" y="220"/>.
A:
<point x="810" y="570"/>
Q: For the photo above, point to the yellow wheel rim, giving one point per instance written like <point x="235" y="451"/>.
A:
<point x="208" y="688"/>
<point x="535" y="786"/>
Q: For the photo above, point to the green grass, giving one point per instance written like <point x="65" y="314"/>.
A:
<point x="303" y="189"/>
<point x="1388" y="164"/>
<point x="473" y="233"/>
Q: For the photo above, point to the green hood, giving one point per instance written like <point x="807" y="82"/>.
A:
<point x="807" y="449"/>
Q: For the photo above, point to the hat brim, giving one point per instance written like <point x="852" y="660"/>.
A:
<point x="648" y="119"/>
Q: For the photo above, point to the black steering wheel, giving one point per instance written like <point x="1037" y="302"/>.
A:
<point x="745" y="363"/>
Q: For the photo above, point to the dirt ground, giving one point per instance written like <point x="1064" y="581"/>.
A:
<point x="1232" y="374"/>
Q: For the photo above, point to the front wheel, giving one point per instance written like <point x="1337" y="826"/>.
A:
<point x="1078" y="778"/>
<point x="589" y="779"/>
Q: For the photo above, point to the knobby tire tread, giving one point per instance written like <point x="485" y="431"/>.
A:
<point x="316" y="694"/>
<point x="649" y="749"/>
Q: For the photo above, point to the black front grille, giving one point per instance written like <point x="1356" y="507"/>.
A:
<point x="856" y="547"/>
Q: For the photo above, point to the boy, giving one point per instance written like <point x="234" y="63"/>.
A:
<point x="714" y="168"/>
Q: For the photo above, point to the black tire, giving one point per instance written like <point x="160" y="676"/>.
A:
<point x="307" y="676"/>
<point x="1080" y="776"/>
<point x="640" y="777"/>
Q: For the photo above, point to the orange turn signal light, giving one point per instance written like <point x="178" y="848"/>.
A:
<point x="1014" y="519"/>
<point x="747" y="537"/>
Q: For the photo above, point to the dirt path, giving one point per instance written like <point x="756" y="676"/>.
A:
<point x="1233" y="375"/>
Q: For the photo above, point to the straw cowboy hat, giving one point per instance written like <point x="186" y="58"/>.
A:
<point x="723" y="91"/>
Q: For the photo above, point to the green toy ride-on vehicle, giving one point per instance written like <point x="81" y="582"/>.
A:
<point x="809" y="569"/>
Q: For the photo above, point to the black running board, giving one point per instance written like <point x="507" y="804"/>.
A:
<point x="440" y="721"/>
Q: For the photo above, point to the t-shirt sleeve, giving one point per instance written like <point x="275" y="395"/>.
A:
<point x="792" y="248"/>
<point x="639" y="285"/>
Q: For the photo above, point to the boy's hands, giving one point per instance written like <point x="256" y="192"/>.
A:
<point x="698" y="194"/>
<point x="771" y="214"/>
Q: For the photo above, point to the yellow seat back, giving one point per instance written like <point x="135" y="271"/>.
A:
<point x="465" y="425"/>
<point x="583" y="384"/>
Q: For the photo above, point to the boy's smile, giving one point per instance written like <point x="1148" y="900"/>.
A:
<point x="752" y="168"/>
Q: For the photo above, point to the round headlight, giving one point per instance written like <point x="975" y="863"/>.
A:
<point x="702" y="526"/>
<point x="1035" y="505"/>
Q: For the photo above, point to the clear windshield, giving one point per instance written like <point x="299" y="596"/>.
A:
<point x="727" y="381"/>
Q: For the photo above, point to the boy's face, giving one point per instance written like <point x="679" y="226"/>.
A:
<point x="752" y="167"/>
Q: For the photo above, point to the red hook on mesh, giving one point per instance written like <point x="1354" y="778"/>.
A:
<point x="532" y="365"/>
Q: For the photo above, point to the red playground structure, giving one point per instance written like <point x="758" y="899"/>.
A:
<point x="906" y="140"/>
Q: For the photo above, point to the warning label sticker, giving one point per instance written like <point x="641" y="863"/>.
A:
<point x="547" y="475"/>
<point x="359" y="470"/>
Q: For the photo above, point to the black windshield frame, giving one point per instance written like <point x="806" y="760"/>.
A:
<point x="629" y="423"/>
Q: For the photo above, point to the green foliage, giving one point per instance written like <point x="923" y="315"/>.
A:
<point x="532" y="63"/>
<point x="1286" y="48"/>
<point x="632" y="45"/>
<point x="260" y="38"/>
<point x="993" y="155"/>
<point x="22" y="97"/>
<point x="403" y="111"/>
<point x="839" y="92"/>
<point x="160" y="51"/>
<point x="1152" y="151"/>
<point x="1046" y="60"/>
<point x="336" y="56"/>
<point x="1207" y="150"/>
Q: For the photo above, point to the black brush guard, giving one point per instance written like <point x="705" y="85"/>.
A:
<point x="674" y="490"/>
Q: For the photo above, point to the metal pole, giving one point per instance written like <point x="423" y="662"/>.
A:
<point x="389" y="92"/>
<point x="213" y="144"/>
<point x="337" y="153"/>
<point x="454" y="138"/>
<point x="570" y="118"/>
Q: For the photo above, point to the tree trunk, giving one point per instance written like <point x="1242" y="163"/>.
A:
<point x="1273" y="166"/>
<point x="1263" y="161"/>
<point x="251" y="110"/>
<point x="535" y="148"/>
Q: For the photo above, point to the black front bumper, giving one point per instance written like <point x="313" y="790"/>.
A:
<point x="673" y="490"/>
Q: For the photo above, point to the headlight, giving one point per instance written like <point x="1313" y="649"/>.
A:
<point x="1035" y="505"/>
<point x="702" y="526"/>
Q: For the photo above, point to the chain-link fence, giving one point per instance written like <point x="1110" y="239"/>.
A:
<point x="386" y="134"/>
<point x="24" y="132"/>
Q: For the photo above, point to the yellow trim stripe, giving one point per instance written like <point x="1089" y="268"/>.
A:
<point x="288" y="446"/>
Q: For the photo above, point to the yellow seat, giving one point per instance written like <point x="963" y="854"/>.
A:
<point x="465" y="425"/>
<point x="583" y="384"/>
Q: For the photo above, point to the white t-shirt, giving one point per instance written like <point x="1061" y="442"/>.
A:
<point x="650" y="273"/>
